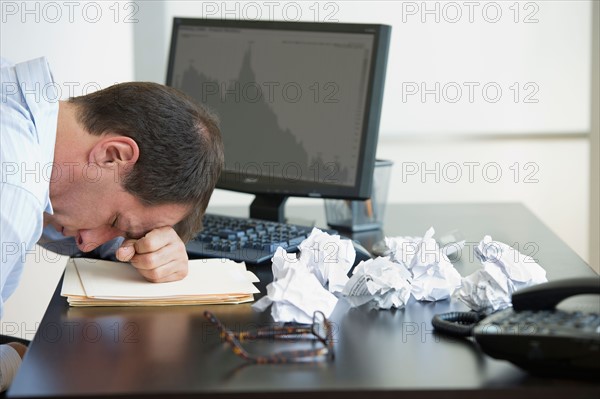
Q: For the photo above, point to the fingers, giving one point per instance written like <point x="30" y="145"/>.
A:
<point x="126" y="251"/>
<point x="173" y="271"/>
<point x="159" y="256"/>
<point x="155" y="240"/>
<point x="19" y="347"/>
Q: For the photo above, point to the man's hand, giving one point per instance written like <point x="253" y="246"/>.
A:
<point x="19" y="347"/>
<point x="159" y="256"/>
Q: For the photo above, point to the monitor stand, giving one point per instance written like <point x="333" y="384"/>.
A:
<point x="268" y="207"/>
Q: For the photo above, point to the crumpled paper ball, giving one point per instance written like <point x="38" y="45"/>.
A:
<point x="298" y="287"/>
<point x="381" y="281"/>
<point x="505" y="270"/>
<point x="433" y="276"/>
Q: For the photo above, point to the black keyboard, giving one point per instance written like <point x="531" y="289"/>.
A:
<point x="243" y="239"/>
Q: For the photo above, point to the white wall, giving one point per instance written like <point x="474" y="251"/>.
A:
<point x="550" y="176"/>
<point x="89" y="45"/>
<point x="594" y="259"/>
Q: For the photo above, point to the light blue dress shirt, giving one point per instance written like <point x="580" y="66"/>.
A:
<point x="28" y="120"/>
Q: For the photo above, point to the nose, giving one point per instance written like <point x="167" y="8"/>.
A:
<point x="90" y="239"/>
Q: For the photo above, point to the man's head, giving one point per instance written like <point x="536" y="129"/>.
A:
<point x="158" y="152"/>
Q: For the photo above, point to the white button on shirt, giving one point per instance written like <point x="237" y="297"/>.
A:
<point x="28" y="120"/>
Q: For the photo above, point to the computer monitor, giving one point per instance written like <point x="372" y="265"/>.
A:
<point x="299" y="103"/>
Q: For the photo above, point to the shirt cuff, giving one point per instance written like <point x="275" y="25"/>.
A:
<point x="9" y="364"/>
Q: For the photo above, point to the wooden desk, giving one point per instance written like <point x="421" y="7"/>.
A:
<point x="160" y="351"/>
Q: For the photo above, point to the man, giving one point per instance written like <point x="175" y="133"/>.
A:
<point x="138" y="160"/>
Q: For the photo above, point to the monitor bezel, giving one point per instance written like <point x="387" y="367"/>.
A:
<point x="270" y="185"/>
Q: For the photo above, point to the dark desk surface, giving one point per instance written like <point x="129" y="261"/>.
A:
<point x="155" y="351"/>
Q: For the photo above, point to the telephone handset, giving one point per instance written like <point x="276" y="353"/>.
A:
<point x="534" y="334"/>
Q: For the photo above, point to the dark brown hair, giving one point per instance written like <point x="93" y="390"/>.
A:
<point x="181" y="151"/>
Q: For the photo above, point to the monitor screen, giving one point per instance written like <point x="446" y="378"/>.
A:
<point x="298" y="103"/>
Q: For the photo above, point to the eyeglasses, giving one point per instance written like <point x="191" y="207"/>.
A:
<point x="320" y="330"/>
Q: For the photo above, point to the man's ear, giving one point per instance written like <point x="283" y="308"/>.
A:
<point x="115" y="152"/>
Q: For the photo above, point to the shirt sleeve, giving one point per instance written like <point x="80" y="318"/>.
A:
<point x="5" y="63"/>
<point x="19" y="234"/>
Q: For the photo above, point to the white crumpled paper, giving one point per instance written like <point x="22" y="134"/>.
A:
<point x="381" y="281"/>
<point x="328" y="257"/>
<point x="433" y="276"/>
<point x="505" y="270"/>
<point x="298" y="287"/>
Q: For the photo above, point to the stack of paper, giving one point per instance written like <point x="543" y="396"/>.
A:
<point x="92" y="282"/>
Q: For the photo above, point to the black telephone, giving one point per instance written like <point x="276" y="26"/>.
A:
<point x="534" y="334"/>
